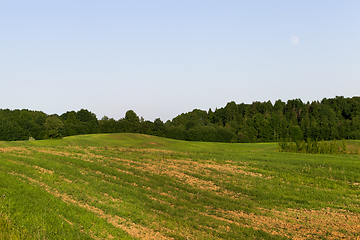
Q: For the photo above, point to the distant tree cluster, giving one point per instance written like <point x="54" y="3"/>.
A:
<point x="322" y="147"/>
<point x="25" y="124"/>
<point x="336" y="118"/>
<point x="22" y="124"/>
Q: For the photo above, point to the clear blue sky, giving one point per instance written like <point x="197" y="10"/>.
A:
<point x="164" y="58"/>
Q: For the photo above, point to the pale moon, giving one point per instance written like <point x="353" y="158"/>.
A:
<point x="294" y="40"/>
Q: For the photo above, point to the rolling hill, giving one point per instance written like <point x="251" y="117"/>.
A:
<point x="134" y="186"/>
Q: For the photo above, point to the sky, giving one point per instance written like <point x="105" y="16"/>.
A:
<point x="163" y="58"/>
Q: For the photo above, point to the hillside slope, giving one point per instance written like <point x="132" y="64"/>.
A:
<point x="127" y="186"/>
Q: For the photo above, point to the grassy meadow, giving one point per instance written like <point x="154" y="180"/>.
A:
<point x="132" y="186"/>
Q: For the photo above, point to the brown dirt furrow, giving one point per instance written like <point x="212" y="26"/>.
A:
<point x="174" y="171"/>
<point x="81" y="156"/>
<point x="130" y="149"/>
<point x="207" y="165"/>
<point x="223" y="168"/>
<point x="65" y="179"/>
<point x="20" y="150"/>
<point x="204" y="165"/>
<point x="223" y="219"/>
<point x="296" y="224"/>
<point x="142" y="150"/>
<point x="92" y="234"/>
<point x="22" y="155"/>
<point x="66" y="220"/>
<point x="168" y="168"/>
<point x="109" y="198"/>
<point x="302" y="224"/>
<point x="160" y="201"/>
<point x="126" y="163"/>
<point x="42" y="170"/>
<point x="87" y="156"/>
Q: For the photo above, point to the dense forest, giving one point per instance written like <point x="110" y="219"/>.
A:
<point x="334" y="118"/>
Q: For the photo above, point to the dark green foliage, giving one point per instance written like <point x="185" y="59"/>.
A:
<point x="107" y="125"/>
<point x="131" y="122"/>
<point x="178" y="133"/>
<point x="54" y="125"/>
<point x="337" y="118"/>
<point x="323" y="147"/>
<point x="25" y="124"/>
<point x="81" y="122"/>
<point x="22" y="124"/>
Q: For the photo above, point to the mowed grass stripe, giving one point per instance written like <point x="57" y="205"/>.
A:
<point x="109" y="178"/>
<point x="29" y="174"/>
<point x="43" y="215"/>
<point x="147" y="187"/>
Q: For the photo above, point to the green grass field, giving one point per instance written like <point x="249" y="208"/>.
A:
<point x="131" y="186"/>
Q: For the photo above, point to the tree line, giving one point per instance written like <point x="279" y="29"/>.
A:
<point x="329" y="119"/>
<point x="315" y="147"/>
